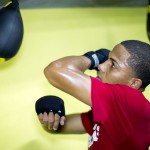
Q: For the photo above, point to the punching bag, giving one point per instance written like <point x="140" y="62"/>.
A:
<point x="11" y="30"/>
<point x="148" y="20"/>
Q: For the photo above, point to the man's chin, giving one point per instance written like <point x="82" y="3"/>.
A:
<point x="99" y="78"/>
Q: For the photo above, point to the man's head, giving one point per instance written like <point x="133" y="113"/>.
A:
<point x="129" y="64"/>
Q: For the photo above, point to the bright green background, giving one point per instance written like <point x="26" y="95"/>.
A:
<point x="50" y="34"/>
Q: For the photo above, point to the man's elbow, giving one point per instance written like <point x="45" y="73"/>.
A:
<point x="51" y="72"/>
<point x="46" y="71"/>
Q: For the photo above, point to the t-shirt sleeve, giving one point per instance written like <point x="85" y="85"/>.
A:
<point x="103" y="100"/>
<point x="87" y="121"/>
<point x="115" y="101"/>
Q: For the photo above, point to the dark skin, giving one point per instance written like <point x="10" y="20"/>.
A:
<point x="67" y="74"/>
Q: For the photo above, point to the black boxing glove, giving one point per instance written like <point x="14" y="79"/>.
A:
<point x="50" y="104"/>
<point x="97" y="57"/>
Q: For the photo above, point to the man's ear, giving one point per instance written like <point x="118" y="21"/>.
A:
<point x="135" y="83"/>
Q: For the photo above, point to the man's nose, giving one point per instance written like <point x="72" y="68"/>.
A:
<point x="102" y="67"/>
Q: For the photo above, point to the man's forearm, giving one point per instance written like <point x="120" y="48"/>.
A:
<point x="76" y="63"/>
<point x="66" y="66"/>
<point x="73" y="125"/>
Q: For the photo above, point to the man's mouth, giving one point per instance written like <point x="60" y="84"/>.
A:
<point x="98" y="77"/>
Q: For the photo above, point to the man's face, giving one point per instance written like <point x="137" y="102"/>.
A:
<point x="116" y="69"/>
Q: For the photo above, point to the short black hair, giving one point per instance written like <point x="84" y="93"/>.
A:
<point x="139" y="59"/>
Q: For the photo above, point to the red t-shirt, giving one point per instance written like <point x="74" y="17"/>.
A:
<point x="119" y="119"/>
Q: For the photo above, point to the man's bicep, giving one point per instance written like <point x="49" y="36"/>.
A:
<point x="81" y="89"/>
<point x="73" y="125"/>
<point x="74" y="83"/>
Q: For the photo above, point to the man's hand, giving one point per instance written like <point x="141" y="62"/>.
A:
<point x="51" y="121"/>
<point x="97" y="57"/>
<point x="50" y="111"/>
<point x="50" y="103"/>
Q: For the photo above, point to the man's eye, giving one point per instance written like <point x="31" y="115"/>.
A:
<point x="113" y="65"/>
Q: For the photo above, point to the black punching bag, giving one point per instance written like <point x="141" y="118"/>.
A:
<point x="11" y="30"/>
<point x="148" y="20"/>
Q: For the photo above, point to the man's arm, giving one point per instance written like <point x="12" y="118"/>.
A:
<point x="67" y="74"/>
<point x="73" y="123"/>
